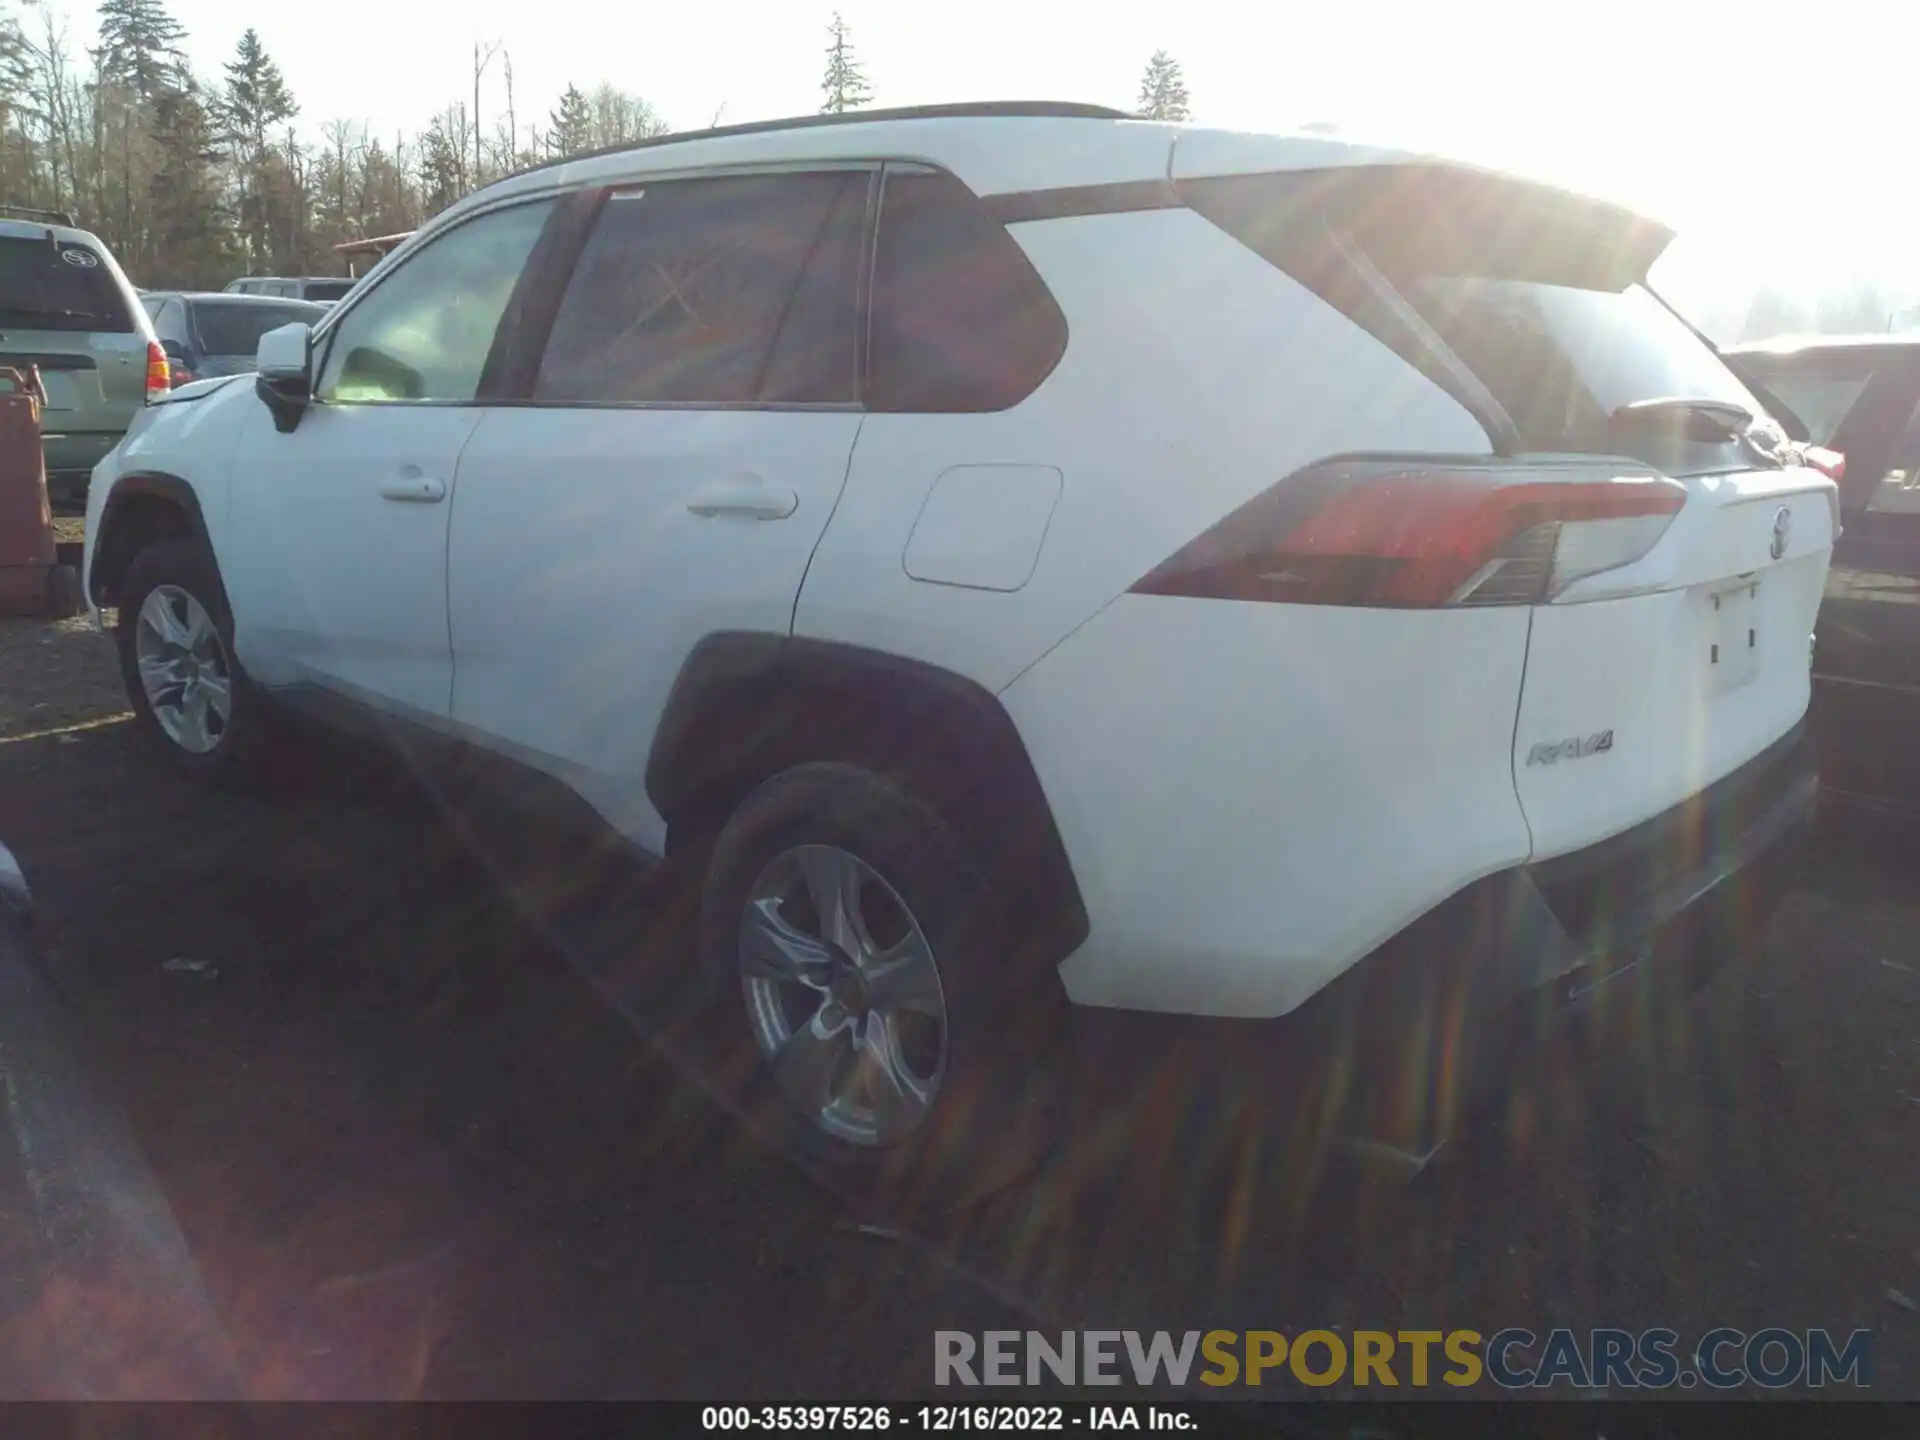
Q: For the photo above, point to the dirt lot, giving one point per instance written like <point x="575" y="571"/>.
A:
<point x="413" y="1155"/>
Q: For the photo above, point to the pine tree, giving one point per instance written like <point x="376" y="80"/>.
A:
<point x="257" y="98"/>
<point x="845" y="84"/>
<point x="442" y="177"/>
<point x="1163" y="93"/>
<point x="570" y="124"/>
<point x="140" y="47"/>
<point x="188" y="228"/>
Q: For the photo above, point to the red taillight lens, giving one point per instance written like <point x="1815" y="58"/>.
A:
<point x="1830" y="463"/>
<point x="158" y="379"/>
<point x="1399" y="534"/>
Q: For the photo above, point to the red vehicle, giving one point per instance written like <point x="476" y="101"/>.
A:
<point x="32" y="579"/>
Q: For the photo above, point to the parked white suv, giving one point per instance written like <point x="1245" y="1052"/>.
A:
<point x="1032" y="562"/>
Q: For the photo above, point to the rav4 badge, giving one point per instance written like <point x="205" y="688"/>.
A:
<point x="1558" y="750"/>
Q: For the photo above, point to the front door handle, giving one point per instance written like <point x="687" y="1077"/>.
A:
<point x="743" y="495"/>
<point x="411" y="485"/>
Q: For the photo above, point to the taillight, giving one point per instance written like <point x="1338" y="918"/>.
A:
<point x="159" y="382"/>
<point x="1420" y="534"/>
<point x="1830" y="463"/>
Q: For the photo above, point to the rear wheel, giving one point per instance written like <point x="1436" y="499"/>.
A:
<point x="63" y="592"/>
<point x="188" y="692"/>
<point x="863" y="997"/>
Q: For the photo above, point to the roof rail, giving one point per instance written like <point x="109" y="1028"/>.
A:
<point x="976" y="109"/>
<point x="22" y="212"/>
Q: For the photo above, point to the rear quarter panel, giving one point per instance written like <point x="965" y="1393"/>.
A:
<point x="1195" y="375"/>
<point x="1252" y="796"/>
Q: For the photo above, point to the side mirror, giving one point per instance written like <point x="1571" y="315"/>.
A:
<point x="285" y="380"/>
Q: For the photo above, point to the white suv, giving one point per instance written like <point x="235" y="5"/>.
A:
<point x="1031" y="562"/>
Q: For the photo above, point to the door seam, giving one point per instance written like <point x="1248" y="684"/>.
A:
<point x="846" y="478"/>
<point x="446" y="555"/>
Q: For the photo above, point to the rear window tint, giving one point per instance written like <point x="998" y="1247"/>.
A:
<point x="961" y="320"/>
<point x="1495" y="288"/>
<point x="235" y="327"/>
<point x="1561" y="359"/>
<point x="328" y="289"/>
<point x="57" y="286"/>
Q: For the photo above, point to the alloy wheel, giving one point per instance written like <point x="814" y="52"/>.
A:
<point x="843" y="995"/>
<point x="184" y="669"/>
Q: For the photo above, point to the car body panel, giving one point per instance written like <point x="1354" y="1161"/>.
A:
<point x="608" y="569"/>
<point x="1132" y="419"/>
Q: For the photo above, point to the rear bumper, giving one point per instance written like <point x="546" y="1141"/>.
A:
<point x="1400" y="1049"/>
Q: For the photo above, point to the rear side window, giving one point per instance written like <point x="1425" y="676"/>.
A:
<point x="1498" y="290"/>
<point x="327" y="289"/>
<point x="733" y="290"/>
<point x="230" y="327"/>
<point x="961" y="320"/>
<point x="48" y="285"/>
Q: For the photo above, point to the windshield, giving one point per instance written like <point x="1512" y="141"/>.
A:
<point x="232" y="327"/>
<point x="1562" y="360"/>
<point x="57" y="286"/>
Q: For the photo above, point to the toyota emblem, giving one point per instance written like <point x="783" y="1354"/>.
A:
<point x="1782" y="527"/>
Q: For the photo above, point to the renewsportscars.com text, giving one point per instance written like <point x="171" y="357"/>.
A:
<point x="1513" y="1358"/>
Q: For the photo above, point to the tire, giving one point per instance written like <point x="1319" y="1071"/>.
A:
<point x="182" y="573"/>
<point x="990" y="1104"/>
<point x="63" y="592"/>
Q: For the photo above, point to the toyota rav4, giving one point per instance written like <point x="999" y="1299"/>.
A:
<point x="1032" y="567"/>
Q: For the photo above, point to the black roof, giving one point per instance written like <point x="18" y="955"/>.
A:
<point x="978" y="109"/>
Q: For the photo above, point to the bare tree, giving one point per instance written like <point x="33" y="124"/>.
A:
<point x="481" y="59"/>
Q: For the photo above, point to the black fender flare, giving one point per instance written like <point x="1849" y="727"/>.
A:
<point x="120" y="537"/>
<point x="748" y="705"/>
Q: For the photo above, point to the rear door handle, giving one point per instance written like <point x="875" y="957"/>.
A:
<point x="743" y="495"/>
<point x="411" y="485"/>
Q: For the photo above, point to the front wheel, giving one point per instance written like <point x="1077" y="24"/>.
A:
<point x="867" y="1007"/>
<point x="188" y="692"/>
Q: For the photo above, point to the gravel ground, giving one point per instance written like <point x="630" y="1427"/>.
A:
<point x="412" y="1155"/>
<point x="56" y="674"/>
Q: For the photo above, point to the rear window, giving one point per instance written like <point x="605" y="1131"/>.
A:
<point x="1497" y="290"/>
<point x="1562" y="359"/>
<point x="235" y="328"/>
<point x="58" y="286"/>
<point x="328" y="289"/>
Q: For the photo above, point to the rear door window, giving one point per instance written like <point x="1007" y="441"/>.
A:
<point x="49" y="285"/>
<point x="735" y="290"/>
<point x="1499" y="290"/>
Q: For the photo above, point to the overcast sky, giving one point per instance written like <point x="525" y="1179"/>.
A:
<point x="1780" y="138"/>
